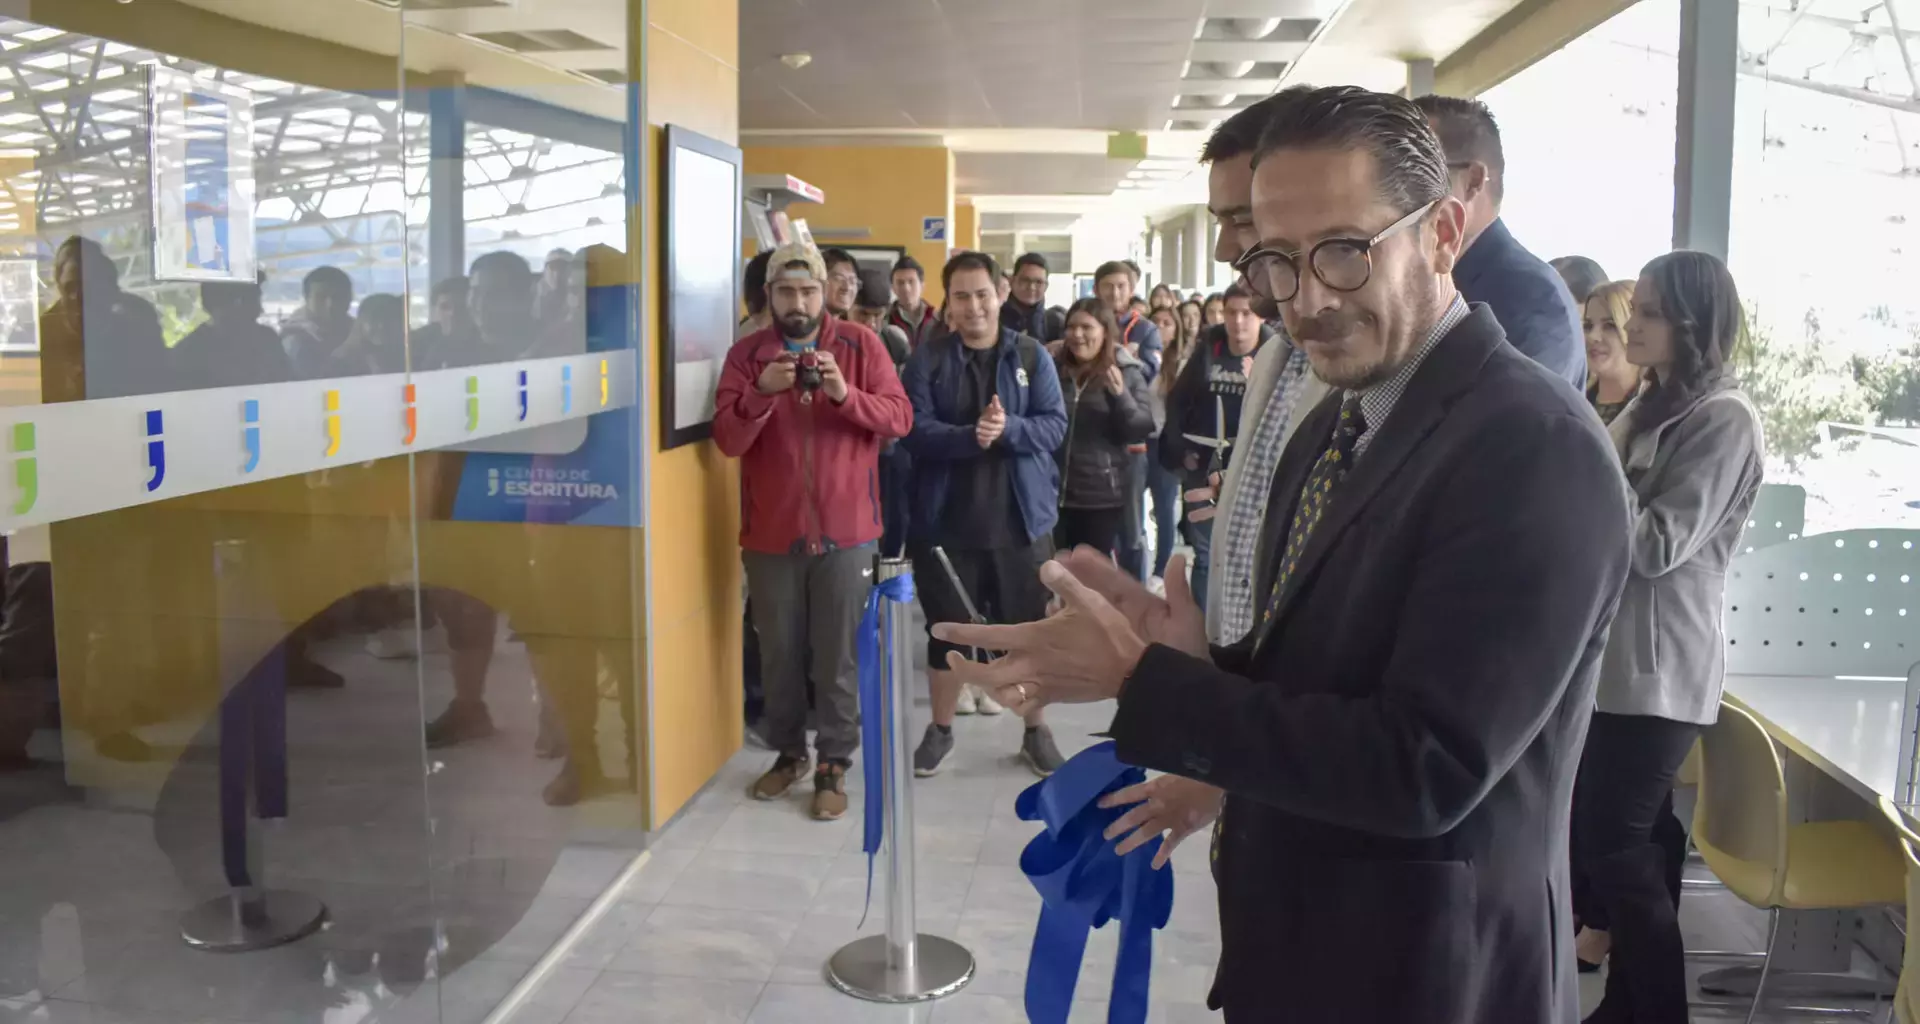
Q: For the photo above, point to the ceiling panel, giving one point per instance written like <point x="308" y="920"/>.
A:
<point x="1037" y="174"/>
<point x="959" y="64"/>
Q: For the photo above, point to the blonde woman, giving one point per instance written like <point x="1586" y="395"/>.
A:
<point x="1612" y="380"/>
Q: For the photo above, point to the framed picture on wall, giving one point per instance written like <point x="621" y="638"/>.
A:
<point x="704" y="209"/>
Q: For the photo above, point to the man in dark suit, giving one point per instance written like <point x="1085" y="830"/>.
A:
<point x="1443" y="551"/>
<point x="1527" y="295"/>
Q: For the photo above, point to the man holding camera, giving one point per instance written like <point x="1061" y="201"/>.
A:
<point x="805" y="404"/>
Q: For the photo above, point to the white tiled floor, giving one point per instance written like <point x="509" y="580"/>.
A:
<point x="742" y="902"/>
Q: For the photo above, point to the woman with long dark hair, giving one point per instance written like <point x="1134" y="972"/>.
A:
<point x="1162" y="297"/>
<point x="1693" y="450"/>
<point x="1108" y="409"/>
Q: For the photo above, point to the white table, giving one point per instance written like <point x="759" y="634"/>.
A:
<point x="1849" y="729"/>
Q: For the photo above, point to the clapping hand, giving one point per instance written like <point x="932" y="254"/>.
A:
<point x="1080" y="654"/>
<point x="992" y="423"/>
<point x="1175" y="620"/>
<point x="1116" y="383"/>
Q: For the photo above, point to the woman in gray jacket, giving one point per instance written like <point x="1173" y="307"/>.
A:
<point x="1692" y="448"/>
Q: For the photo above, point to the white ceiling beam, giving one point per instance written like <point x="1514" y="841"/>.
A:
<point x="1227" y="86"/>
<point x="1219" y="50"/>
<point x="1270" y="8"/>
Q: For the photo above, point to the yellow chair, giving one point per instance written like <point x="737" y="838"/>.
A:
<point x="1741" y="829"/>
<point x="1906" y="998"/>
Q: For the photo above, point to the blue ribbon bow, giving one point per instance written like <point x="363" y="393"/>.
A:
<point x="876" y="740"/>
<point x="1083" y="885"/>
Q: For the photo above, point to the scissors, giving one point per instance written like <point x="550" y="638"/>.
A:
<point x="1219" y="445"/>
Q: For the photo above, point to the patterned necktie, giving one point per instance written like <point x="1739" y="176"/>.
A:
<point x="1329" y="470"/>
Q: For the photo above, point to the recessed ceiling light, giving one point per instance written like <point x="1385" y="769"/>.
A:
<point x="796" y="61"/>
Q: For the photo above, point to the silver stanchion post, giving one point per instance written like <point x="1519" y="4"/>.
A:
<point x="901" y="966"/>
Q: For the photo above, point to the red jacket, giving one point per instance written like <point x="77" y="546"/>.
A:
<point x="809" y="471"/>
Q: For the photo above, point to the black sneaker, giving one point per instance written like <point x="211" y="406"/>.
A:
<point x="933" y="751"/>
<point x="1040" y="753"/>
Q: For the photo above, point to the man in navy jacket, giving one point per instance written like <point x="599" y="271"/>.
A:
<point x="1526" y="294"/>
<point x="986" y="489"/>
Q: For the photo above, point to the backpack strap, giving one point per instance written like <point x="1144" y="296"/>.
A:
<point x="1029" y="351"/>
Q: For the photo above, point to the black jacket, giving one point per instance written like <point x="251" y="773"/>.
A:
<point x="1038" y="323"/>
<point x="1100" y="425"/>
<point x="1190" y="408"/>
<point x="1398" y="740"/>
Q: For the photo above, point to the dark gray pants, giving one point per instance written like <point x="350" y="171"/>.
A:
<point x="806" y="609"/>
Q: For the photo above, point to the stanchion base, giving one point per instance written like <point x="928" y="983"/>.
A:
<point x="271" y="917"/>
<point x="860" y="970"/>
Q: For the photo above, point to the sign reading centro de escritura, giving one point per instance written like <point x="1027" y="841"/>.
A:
<point x="77" y="459"/>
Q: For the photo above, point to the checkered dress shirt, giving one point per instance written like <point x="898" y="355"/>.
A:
<point x="1378" y="401"/>
<point x="1239" y="533"/>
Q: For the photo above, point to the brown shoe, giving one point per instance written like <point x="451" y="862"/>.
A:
<point x="829" y="791"/>
<point x="785" y="772"/>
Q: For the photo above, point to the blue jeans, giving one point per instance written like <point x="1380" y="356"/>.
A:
<point x="1164" y="487"/>
<point x="1131" y="551"/>
<point x="1200" y="535"/>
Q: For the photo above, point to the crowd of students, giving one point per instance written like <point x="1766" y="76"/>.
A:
<point x="100" y="341"/>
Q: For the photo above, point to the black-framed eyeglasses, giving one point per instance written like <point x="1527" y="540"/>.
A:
<point x="1342" y="264"/>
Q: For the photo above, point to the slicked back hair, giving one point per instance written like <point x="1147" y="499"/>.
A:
<point x="1239" y="135"/>
<point x="1467" y="132"/>
<point x="1409" y="165"/>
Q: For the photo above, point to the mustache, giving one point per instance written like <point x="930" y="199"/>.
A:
<point x="1325" y="327"/>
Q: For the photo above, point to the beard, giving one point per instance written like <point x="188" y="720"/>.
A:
<point x="1350" y="367"/>
<point x="797" y="325"/>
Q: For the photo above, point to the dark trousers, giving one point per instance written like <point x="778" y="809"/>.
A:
<point x="896" y="478"/>
<point x="1163" y="486"/>
<point x="1629" y="860"/>
<point x="1095" y="527"/>
<point x="806" y="609"/>
<point x="1200" y="535"/>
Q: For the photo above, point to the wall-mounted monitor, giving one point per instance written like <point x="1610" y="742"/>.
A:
<point x="703" y="205"/>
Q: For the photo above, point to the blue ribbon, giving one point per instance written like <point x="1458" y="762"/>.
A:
<point x="876" y="740"/>
<point x="1083" y="885"/>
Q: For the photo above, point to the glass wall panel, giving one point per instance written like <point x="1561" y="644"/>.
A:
<point x="1588" y="135"/>
<point x="320" y="666"/>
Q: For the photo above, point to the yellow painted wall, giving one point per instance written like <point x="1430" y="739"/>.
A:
<point x="966" y="225"/>
<point x="887" y="190"/>
<point x="692" y="80"/>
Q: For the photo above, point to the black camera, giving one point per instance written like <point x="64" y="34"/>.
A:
<point x="807" y="376"/>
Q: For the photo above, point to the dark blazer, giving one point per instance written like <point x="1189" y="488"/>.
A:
<point x="1398" y="743"/>
<point x="1529" y="299"/>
